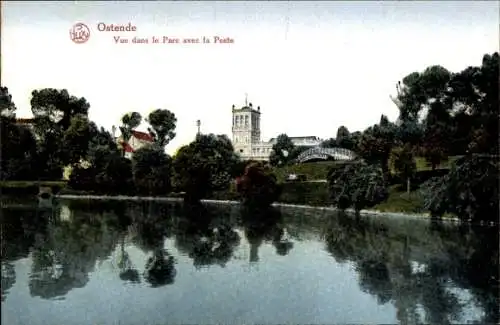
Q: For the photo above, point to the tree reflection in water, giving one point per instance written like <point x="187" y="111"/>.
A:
<point x="413" y="265"/>
<point x="264" y="225"/>
<point x="68" y="252"/>
<point x="415" y="270"/>
<point x="151" y="225"/>
<point x="20" y="228"/>
<point x="205" y="236"/>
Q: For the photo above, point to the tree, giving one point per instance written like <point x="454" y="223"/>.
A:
<point x="101" y="147"/>
<point x="76" y="138"/>
<point x="7" y="106"/>
<point x="152" y="170"/>
<point x="58" y="106"/>
<point x="204" y="166"/>
<point x="129" y="122"/>
<point x="437" y="132"/>
<point x="344" y="138"/>
<point x="163" y="123"/>
<point x="329" y="143"/>
<point x="282" y="151"/>
<point x="469" y="191"/>
<point x="258" y="186"/>
<point x="17" y="143"/>
<point x="53" y="112"/>
<point x="357" y="185"/>
<point x="475" y="94"/>
<point x="376" y="143"/>
<point x="421" y="89"/>
<point x="404" y="164"/>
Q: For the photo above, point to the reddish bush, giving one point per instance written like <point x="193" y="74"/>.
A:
<point x="258" y="185"/>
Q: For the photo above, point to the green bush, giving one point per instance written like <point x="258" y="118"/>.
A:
<point x="315" y="194"/>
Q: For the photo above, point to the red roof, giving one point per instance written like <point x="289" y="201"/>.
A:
<point x="127" y="147"/>
<point x="142" y="136"/>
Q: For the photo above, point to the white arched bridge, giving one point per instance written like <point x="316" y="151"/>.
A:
<point x="318" y="153"/>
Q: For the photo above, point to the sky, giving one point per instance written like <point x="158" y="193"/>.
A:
<point x="310" y="66"/>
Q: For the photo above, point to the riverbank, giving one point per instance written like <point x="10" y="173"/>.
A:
<point x="367" y="212"/>
<point x="304" y="195"/>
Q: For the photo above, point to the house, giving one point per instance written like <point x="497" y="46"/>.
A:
<point x="137" y="140"/>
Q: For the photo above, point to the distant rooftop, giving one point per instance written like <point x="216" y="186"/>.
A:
<point x="310" y="138"/>
<point x="247" y="107"/>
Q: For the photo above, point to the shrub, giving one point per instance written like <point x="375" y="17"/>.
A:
<point x="358" y="186"/>
<point x="258" y="186"/>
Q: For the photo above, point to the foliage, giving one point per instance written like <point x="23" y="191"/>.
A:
<point x="76" y="138"/>
<point x="469" y="191"/>
<point x="162" y="128"/>
<point x="258" y="186"/>
<point x="283" y="151"/>
<point x="204" y="166"/>
<point x="357" y="185"/>
<point x="115" y="177"/>
<point x="152" y="170"/>
<point x="403" y="162"/>
<point x="377" y="141"/>
<point x="344" y="139"/>
<point x="7" y="106"/>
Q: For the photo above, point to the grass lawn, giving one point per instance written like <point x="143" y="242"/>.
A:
<point x="20" y="184"/>
<point x="313" y="170"/>
<point x="319" y="170"/>
<point x="399" y="201"/>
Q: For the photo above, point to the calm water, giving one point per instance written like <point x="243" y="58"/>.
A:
<point x="87" y="263"/>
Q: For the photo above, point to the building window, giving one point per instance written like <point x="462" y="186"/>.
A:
<point x="246" y="120"/>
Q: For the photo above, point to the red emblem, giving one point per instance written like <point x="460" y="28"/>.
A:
<point x="80" y="33"/>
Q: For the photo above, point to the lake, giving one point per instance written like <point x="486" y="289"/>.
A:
<point x="104" y="262"/>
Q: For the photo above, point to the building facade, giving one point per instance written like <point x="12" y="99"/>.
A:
<point x="246" y="135"/>
<point x="136" y="141"/>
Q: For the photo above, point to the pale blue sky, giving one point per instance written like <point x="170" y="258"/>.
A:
<point x="311" y="66"/>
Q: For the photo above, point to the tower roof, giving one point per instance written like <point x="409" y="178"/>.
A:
<point x="247" y="108"/>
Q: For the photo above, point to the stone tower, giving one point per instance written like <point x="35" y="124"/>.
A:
<point x="246" y="128"/>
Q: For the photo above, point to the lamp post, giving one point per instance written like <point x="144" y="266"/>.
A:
<point x="198" y="124"/>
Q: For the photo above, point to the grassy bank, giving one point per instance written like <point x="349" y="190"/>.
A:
<point x="313" y="170"/>
<point x="314" y="194"/>
<point x="319" y="170"/>
<point x="23" y="188"/>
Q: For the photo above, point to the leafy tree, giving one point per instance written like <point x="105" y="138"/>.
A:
<point x="58" y="106"/>
<point x="76" y="138"/>
<point x="344" y="138"/>
<point x="115" y="177"/>
<point x="258" y="186"/>
<point x="53" y="111"/>
<point x="357" y="185"/>
<point x="282" y="151"/>
<point x="329" y="143"/>
<point x="376" y="143"/>
<point x="436" y="134"/>
<point x="17" y="143"/>
<point x="419" y="90"/>
<point x="152" y="170"/>
<point x="204" y="166"/>
<point x="469" y="191"/>
<point x="101" y="146"/>
<point x="7" y="106"/>
<point x="162" y="128"/>
<point x="404" y="164"/>
<point x="475" y="95"/>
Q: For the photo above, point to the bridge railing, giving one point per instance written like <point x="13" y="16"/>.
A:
<point x="321" y="153"/>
